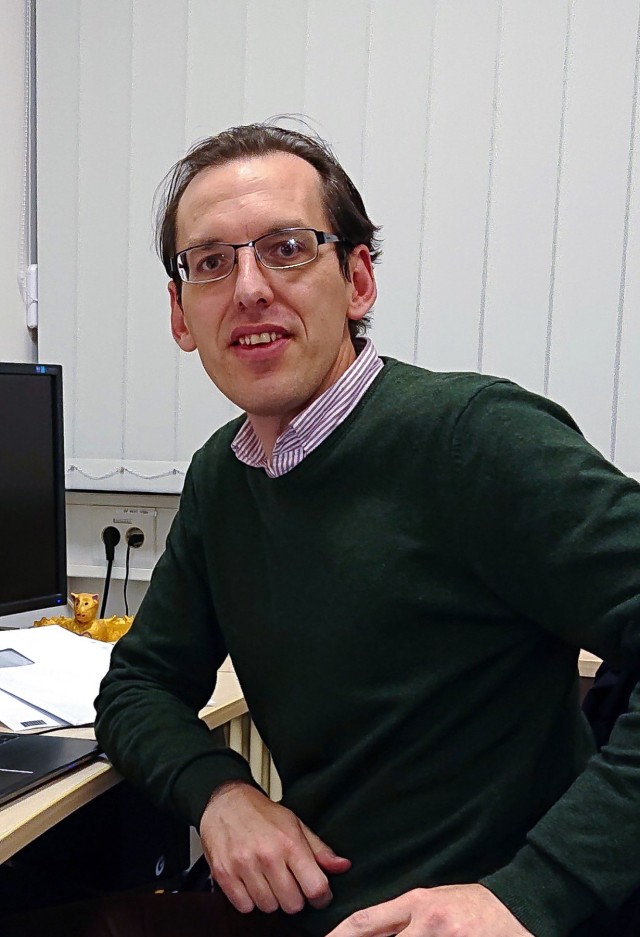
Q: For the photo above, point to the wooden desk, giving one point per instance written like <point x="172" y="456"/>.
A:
<point x="24" y="819"/>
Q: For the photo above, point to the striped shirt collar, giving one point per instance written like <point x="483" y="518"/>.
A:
<point x="314" y="424"/>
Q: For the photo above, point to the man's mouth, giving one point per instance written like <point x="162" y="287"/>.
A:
<point x="260" y="338"/>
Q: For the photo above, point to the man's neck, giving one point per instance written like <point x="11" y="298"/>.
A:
<point x="268" y="428"/>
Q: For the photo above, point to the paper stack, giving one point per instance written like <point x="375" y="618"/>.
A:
<point x="49" y="676"/>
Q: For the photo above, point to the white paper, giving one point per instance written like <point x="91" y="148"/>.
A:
<point x="65" y="675"/>
<point x="19" y="716"/>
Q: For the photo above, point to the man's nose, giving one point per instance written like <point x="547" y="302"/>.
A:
<point x="252" y="285"/>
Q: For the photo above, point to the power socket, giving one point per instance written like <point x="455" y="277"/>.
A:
<point x="85" y="524"/>
<point x="134" y="538"/>
<point x="139" y="521"/>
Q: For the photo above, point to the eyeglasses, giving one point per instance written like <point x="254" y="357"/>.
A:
<point x="282" y="250"/>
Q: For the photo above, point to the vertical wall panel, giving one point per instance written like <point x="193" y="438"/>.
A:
<point x="592" y="206"/>
<point x="157" y="115"/>
<point x="102" y="167"/>
<point x="274" y="59"/>
<point x="15" y="340"/>
<point x="627" y="427"/>
<point x="399" y="73"/>
<point x="57" y="153"/>
<point x="335" y="79"/>
<point x="524" y="190"/>
<point x="214" y="66"/>
<point x="457" y="183"/>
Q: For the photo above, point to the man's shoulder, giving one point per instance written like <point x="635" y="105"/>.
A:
<point x="446" y="402"/>
<point x="415" y="386"/>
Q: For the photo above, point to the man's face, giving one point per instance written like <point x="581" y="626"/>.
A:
<point x="306" y="308"/>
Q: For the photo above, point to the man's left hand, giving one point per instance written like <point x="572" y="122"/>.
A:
<point x="445" y="911"/>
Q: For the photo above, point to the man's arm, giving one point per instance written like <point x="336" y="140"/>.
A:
<point x="162" y="673"/>
<point x="554" y="530"/>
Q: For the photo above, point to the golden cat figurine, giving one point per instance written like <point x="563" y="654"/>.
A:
<point x="85" y="623"/>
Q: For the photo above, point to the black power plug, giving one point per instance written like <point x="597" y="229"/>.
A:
<point x="135" y="539"/>
<point x="111" y="539"/>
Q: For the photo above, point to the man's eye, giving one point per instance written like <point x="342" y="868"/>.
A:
<point x="289" y="248"/>
<point x="210" y="263"/>
<point x="286" y="249"/>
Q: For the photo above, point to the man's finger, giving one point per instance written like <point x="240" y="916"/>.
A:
<point x="236" y="893"/>
<point x="287" y="889"/>
<point x="312" y="880"/>
<point x="382" y="920"/>
<point x="259" y="889"/>
<point x="324" y="854"/>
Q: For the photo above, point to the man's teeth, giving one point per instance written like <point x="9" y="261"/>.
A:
<point x="261" y="338"/>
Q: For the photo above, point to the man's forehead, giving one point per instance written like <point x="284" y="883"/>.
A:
<point x="278" y="182"/>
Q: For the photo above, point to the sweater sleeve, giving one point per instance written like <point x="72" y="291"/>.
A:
<point x="162" y="673"/>
<point x="554" y="529"/>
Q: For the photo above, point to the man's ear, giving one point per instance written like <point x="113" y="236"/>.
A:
<point x="363" y="283"/>
<point x="179" y="328"/>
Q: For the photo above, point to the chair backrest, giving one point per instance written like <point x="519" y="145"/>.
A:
<point x="607" y="699"/>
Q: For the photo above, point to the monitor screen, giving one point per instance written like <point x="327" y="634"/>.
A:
<point x="33" y="574"/>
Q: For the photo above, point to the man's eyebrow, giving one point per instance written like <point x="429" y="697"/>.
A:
<point x="289" y="223"/>
<point x="202" y="240"/>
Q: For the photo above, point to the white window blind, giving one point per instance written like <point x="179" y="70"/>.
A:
<point x="15" y="218"/>
<point x="496" y="142"/>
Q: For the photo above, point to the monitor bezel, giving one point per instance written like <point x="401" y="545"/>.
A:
<point x="52" y="372"/>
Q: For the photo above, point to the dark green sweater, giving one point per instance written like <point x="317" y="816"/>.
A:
<point x="404" y="611"/>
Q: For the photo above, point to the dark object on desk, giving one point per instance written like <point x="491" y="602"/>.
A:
<point x="118" y="842"/>
<point x="33" y="572"/>
<point x="197" y="878"/>
<point x="27" y="761"/>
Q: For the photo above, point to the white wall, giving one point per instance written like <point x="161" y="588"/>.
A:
<point x="16" y="343"/>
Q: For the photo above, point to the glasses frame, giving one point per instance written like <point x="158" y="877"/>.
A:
<point x="322" y="237"/>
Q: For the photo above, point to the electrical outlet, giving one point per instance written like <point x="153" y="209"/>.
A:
<point x="140" y="519"/>
<point x="85" y="523"/>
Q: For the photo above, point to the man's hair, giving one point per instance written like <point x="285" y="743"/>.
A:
<point x="341" y="200"/>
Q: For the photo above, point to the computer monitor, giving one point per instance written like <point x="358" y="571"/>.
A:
<point x="33" y="561"/>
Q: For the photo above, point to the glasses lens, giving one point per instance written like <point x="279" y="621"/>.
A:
<point x="211" y="262"/>
<point x="287" y="248"/>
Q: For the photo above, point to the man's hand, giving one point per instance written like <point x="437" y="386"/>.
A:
<point x="445" y="911"/>
<point x="261" y="855"/>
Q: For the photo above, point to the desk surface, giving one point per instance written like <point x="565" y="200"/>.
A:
<point x="24" y="819"/>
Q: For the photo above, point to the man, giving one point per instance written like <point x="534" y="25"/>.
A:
<point x="403" y="566"/>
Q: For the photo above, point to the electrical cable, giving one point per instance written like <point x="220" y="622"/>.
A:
<point x="135" y="539"/>
<point x="110" y="538"/>
<point x="105" y="591"/>
<point x="126" y="579"/>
